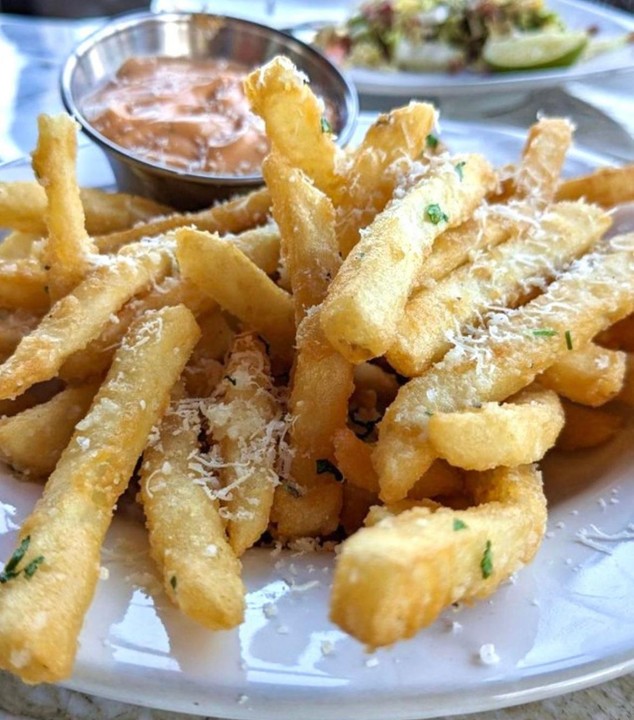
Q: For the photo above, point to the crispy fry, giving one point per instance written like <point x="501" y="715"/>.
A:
<point x="68" y="246"/>
<point x="306" y="219"/>
<point x="201" y="574"/>
<point x="376" y="166"/>
<point x="80" y="496"/>
<point x="78" y="318"/>
<point x="23" y="284"/>
<point x="300" y="136"/>
<point x="23" y="207"/>
<point x="246" y="422"/>
<point x="597" y="291"/>
<point x="232" y="216"/>
<point x="501" y="276"/>
<point x="205" y="368"/>
<point x="354" y="460"/>
<point x="518" y="432"/>
<point x="591" y="375"/>
<point x="587" y="427"/>
<point x="32" y="441"/>
<point x="395" y="577"/>
<point x="322" y="384"/>
<point x="365" y="301"/>
<point x="238" y="285"/>
<point x="606" y="187"/>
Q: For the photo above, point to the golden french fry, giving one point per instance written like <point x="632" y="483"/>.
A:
<point x="55" y="579"/>
<point x="518" y="432"/>
<point x="228" y="276"/>
<point x="78" y="318"/>
<point x="23" y="284"/>
<point x="355" y="506"/>
<point x="201" y="574"/>
<point x="68" y="246"/>
<point x="547" y="143"/>
<point x="205" y="368"/>
<point x="501" y="276"/>
<point x="306" y="219"/>
<point x="232" y="216"/>
<point x="260" y="244"/>
<point x="46" y="428"/>
<point x="23" y="207"/>
<point x="396" y="577"/>
<point x="606" y="187"/>
<point x="500" y="360"/>
<point x="366" y="299"/>
<point x="20" y="245"/>
<point x="245" y="421"/>
<point x="587" y="427"/>
<point x="440" y="480"/>
<point x="354" y="460"/>
<point x="302" y="136"/>
<point x="592" y="375"/>
<point x="376" y="166"/>
<point x="322" y="384"/>
<point x="369" y="377"/>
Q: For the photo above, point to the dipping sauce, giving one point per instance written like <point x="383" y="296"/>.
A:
<point x="186" y="113"/>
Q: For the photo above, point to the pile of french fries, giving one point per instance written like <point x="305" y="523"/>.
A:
<point x="378" y="345"/>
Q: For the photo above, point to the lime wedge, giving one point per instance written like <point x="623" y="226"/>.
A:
<point x="534" y="51"/>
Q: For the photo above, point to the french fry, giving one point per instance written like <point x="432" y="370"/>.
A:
<point x="205" y="368"/>
<point x="396" y="577"/>
<point x="23" y="207"/>
<point x="23" y="284"/>
<point x="302" y="136"/>
<point x="501" y="276"/>
<point x="606" y="187"/>
<point x="592" y="375"/>
<point x="322" y="384"/>
<point x="13" y="327"/>
<point x="55" y="580"/>
<point x="354" y="460"/>
<point x="78" y="318"/>
<point x="366" y="299"/>
<point x="547" y="143"/>
<point x="233" y="216"/>
<point x="68" y="246"/>
<point x="201" y="574"/>
<point x="245" y="421"/>
<point x="224" y="273"/>
<point x="518" y="432"/>
<point x="306" y="219"/>
<point x="369" y="377"/>
<point x="46" y="428"/>
<point x="500" y="360"/>
<point x="260" y="244"/>
<point x="587" y="427"/>
<point x="20" y="245"/>
<point x="376" y="166"/>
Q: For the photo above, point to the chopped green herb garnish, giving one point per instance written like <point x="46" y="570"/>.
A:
<point x="292" y="488"/>
<point x="486" y="564"/>
<point x="32" y="567"/>
<point x="173" y="582"/>
<point x="429" y="413"/>
<point x="11" y="568"/>
<point x="366" y="425"/>
<point x="435" y="214"/>
<point x="544" y="333"/>
<point x="459" y="169"/>
<point x="431" y="141"/>
<point x="326" y="127"/>
<point x="568" y="337"/>
<point x="325" y="466"/>
<point x="17" y="556"/>
<point x="232" y="380"/>
<point x="459" y="524"/>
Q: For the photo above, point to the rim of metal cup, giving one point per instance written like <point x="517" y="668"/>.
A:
<point x="130" y="20"/>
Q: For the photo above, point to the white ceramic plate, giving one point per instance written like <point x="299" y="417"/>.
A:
<point x="566" y="622"/>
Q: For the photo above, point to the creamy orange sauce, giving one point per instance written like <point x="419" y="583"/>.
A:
<point x="186" y="113"/>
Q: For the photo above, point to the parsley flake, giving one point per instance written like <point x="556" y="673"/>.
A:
<point x="459" y="169"/>
<point x="367" y="426"/>
<point x="568" y="337"/>
<point x="431" y="141"/>
<point x="173" y="582"/>
<point x="486" y="564"/>
<point x="545" y="332"/>
<point x="292" y="488"/>
<point x="32" y="567"/>
<point x="435" y="214"/>
<point x="11" y="568"/>
<point x="326" y="127"/>
<point x="459" y="524"/>
<point x="325" y="466"/>
<point x="232" y="380"/>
